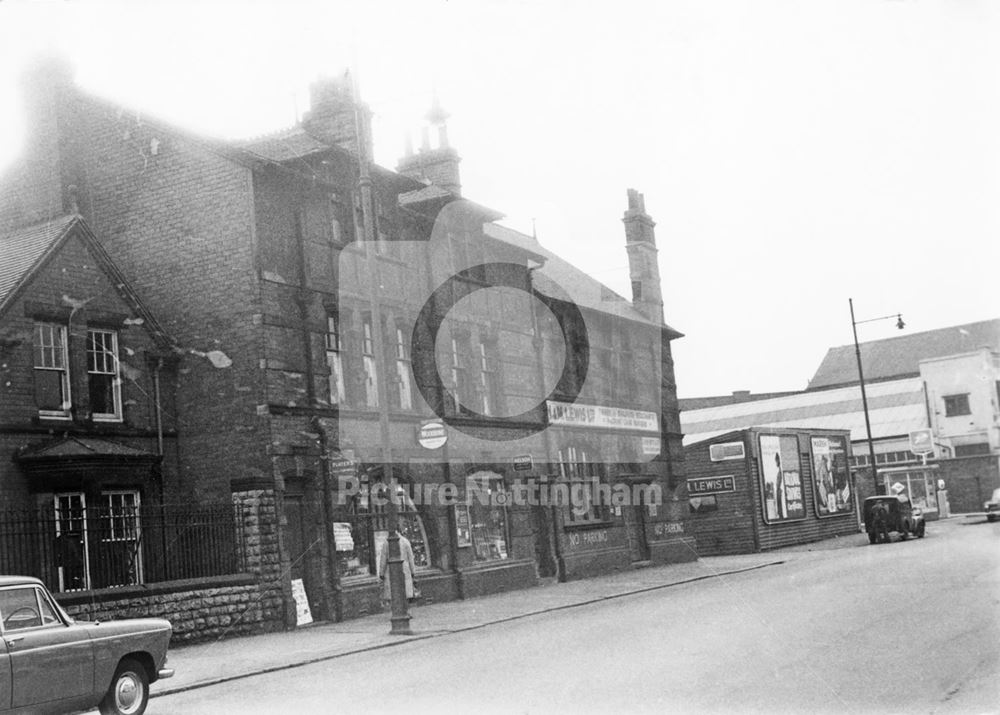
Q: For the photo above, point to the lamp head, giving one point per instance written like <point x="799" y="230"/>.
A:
<point x="899" y="321"/>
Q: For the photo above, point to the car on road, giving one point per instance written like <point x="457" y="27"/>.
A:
<point x="886" y="513"/>
<point x="992" y="507"/>
<point x="51" y="663"/>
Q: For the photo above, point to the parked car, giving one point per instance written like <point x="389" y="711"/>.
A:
<point x="887" y="513"/>
<point x="992" y="507"/>
<point x="51" y="663"/>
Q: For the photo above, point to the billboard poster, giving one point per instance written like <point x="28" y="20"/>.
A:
<point x="831" y="482"/>
<point x="781" y="481"/>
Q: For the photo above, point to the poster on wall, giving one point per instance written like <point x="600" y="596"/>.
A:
<point x="781" y="481"/>
<point x="831" y="481"/>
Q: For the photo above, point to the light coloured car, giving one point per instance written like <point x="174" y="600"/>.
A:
<point x="992" y="507"/>
<point x="51" y="663"/>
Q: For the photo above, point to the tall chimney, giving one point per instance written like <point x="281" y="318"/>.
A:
<point x="335" y="117"/>
<point x="644" y="270"/>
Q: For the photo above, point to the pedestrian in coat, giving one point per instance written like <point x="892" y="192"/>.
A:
<point x="409" y="568"/>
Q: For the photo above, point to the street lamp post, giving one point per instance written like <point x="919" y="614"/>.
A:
<point x="861" y="376"/>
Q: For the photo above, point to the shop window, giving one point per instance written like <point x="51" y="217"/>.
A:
<point x="52" y="395"/>
<point x="486" y="498"/>
<point x="703" y="504"/>
<point x="103" y="376"/>
<point x="583" y="477"/>
<point x="369" y="529"/>
<point x="956" y="405"/>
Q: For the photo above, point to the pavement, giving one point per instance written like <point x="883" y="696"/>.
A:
<point x="228" y="659"/>
<point x="220" y="661"/>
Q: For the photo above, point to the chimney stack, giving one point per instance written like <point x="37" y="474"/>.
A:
<point x="436" y="162"/>
<point x="336" y="117"/>
<point x="644" y="269"/>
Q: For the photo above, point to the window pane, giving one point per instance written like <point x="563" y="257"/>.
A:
<point x="19" y="609"/>
<point x="49" y="390"/>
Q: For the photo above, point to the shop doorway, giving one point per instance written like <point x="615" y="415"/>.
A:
<point x="635" y="529"/>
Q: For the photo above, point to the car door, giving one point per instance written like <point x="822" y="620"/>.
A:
<point x="4" y="676"/>
<point x="50" y="660"/>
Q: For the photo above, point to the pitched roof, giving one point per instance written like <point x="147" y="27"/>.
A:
<point x="82" y="448"/>
<point x="558" y="278"/>
<point x="896" y="408"/>
<point x="285" y="145"/>
<point x="22" y="249"/>
<point x="901" y="356"/>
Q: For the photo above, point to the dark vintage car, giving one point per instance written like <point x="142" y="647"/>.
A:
<point x="887" y="513"/>
<point x="51" y="663"/>
<point x="992" y="507"/>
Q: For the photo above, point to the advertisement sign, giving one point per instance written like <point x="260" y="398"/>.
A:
<point x="463" y="526"/>
<point x="781" y="480"/>
<point x="574" y="414"/>
<point x="523" y="463"/>
<point x="303" y="616"/>
<point x="342" y="536"/>
<point x="432" y="435"/>
<point x="831" y="476"/>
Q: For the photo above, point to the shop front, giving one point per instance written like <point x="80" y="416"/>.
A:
<point x="917" y="483"/>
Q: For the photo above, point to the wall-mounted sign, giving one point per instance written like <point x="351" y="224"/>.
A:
<point x="711" y="485"/>
<point x="726" y="450"/>
<point x="831" y="482"/>
<point x="463" y="526"/>
<point x="781" y="478"/>
<point x="650" y="446"/>
<point x="922" y="441"/>
<point x="303" y="616"/>
<point x="342" y="536"/>
<point x="573" y="414"/>
<point x="432" y="435"/>
<point x="522" y="463"/>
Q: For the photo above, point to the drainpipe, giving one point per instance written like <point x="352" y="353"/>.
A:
<point x="324" y="470"/>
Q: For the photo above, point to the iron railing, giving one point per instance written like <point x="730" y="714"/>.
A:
<point x="106" y="547"/>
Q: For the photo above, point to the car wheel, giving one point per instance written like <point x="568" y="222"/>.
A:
<point x="129" y="690"/>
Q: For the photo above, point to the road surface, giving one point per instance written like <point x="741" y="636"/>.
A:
<point x="904" y="627"/>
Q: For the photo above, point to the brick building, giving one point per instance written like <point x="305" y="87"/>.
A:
<point x="296" y="276"/>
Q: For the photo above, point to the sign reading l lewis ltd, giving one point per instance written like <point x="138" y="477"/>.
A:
<point x="601" y="417"/>
<point x="711" y="485"/>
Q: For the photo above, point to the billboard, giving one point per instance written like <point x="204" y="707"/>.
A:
<point x="781" y="480"/>
<point x="831" y="476"/>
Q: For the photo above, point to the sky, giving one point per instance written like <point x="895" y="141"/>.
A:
<point x="793" y="154"/>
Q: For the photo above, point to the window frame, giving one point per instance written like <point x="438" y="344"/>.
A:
<point x="38" y="347"/>
<point x="403" y="393"/>
<point x="576" y="468"/>
<point x="115" y="374"/>
<point x="488" y="484"/>
<point x="369" y="363"/>
<point x="957" y="405"/>
<point x="336" y="387"/>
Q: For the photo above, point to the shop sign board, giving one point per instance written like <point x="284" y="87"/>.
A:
<point x="523" y="463"/>
<point x="726" y="450"/>
<point x="922" y="441"/>
<point x="711" y="485"/>
<point x="574" y="414"/>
